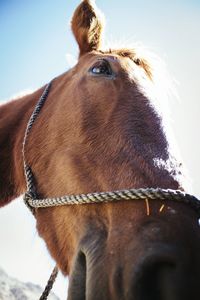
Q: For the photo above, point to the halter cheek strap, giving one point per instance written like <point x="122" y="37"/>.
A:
<point x="31" y="191"/>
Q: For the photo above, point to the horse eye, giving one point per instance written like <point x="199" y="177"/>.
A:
<point x="101" y="68"/>
<point x="137" y="61"/>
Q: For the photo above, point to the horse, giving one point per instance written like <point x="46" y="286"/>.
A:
<point x="99" y="129"/>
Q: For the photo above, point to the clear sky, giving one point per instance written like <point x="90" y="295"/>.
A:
<point x="36" y="45"/>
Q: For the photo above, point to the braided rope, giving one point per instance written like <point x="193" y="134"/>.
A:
<point x="32" y="202"/>
<point x="36" y="111"/>
<point x="132" y="194"/>
<point x="49" y="284"/>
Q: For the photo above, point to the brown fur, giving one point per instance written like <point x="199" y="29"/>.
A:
<point x="97" y="134"/>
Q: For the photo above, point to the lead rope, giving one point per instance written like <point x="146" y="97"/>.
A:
<point x="31" y="191"/>
<point x="49" y="284"/>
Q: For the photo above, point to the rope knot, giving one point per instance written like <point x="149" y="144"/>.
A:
<point x="28" y="197"/>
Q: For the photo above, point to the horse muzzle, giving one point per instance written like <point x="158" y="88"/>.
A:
<point x="157" y="275"/>
<point x="152" y="265"/>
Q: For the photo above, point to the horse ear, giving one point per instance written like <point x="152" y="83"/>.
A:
<point x="87" y="26"/>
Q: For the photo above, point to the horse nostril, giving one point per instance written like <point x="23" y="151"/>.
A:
<point x="155" y="282"/>
<point x="77" y="280"/>
<point x="161" y="276"/>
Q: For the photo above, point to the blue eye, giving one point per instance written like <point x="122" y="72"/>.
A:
<point x="101" y="67"/>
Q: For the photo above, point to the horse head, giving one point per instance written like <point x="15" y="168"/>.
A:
<point x="101" y="130"/>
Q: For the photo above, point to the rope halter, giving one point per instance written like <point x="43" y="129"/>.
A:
<point x="32" y="201"/>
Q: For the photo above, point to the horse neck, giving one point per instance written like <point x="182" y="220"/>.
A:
<point x="14" y="116"/>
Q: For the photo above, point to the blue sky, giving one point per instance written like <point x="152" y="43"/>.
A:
<point x="35" y="38"/>
<point x="35" y="35"/>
